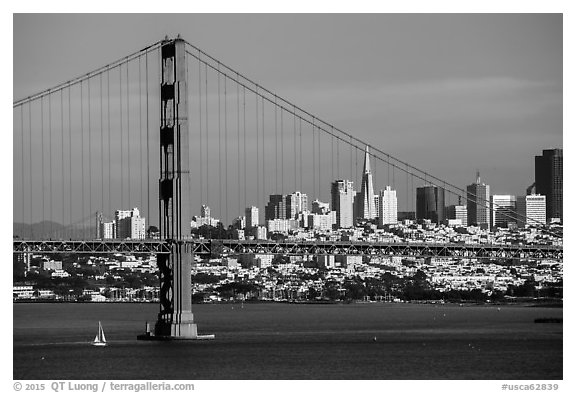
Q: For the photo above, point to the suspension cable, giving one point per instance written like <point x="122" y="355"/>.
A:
<point x="81" y="78"/>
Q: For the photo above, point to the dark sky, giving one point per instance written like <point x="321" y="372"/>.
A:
<point x="449" y="93"/>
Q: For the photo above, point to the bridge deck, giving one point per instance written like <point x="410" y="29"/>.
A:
<point x="205" y="247"/>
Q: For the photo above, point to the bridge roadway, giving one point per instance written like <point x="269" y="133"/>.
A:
<point x="235" y="247"/>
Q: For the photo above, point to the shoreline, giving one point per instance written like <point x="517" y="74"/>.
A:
<point x="548" y="303"/>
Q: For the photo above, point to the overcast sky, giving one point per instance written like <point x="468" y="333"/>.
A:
<point x="447" y="93"/>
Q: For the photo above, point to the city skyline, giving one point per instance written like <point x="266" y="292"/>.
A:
<point x="436" y="86"/>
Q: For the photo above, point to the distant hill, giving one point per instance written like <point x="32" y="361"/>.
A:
<point x="51" y="230"/>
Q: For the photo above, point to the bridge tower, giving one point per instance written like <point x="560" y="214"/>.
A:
<point x="175" y="319"/>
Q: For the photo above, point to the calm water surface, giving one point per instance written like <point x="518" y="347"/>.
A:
<point x="292" y="341"/>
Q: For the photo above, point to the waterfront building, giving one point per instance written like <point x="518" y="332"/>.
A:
<point x="388" y="207"/>
<point x="343" y="203"/>
<point x="503" y="210"/>
<point x="548" y="181"/>
<point x="430" y="204"/>
<point x="531" y="210"/>
<point x="478" y="195"/>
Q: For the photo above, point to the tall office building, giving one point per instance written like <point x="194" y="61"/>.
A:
<point x="457" y="212"/>
<point x="478" y="195"/>
<point x="296" y="203"/>
<point x="388" y="207"/>
<point x="366" y="206"/>
<point x="129" y="224"/>
<point x="276" y="208"/>
<point x="251" y="217"/>
<point x="430" y="204"/>
<point x="503" y="210"/>
<point x="531" y="209"/>
<point x="548" y="180"/>
<point x="343" y="202"/>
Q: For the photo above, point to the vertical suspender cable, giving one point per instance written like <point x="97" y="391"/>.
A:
<point x="263" y="156"/>
<point x="301" y="160"/>
<point x="147" y="144"/>
<point x="276" y="144"/>
<point x="50" y="160"/>
<point x="62" y="151"/>
<point x="314" y="160"/>
<point x="245" y="156"/>
<point x="332" y="156"/>
<point x="128" y="132"/>
<point x="282" y="148"/>
<point x="219" y="150"/>
<point x="200" y="127"/>
<point x="257" y="152"/>
<point x="82" y="212"/>
<point x="110" y="209"/>
<point x="338" y="158"/>
<point x="238" y="143"/>
<point x="226" y="148"/>
<point x="319" y="164"/>
<point x="22" y="159"/>
<point x="42" y="166"/>
<point x="30" y="156"/>
<point x="356" y="172"/>
<point x="89" y="156"/>
<point x="207" y="136"/>
<point x="121" y="142"/>
<point x="351" y="162"/>
<point x="101" y="149"/>
<point x="294" y="120"/>
<point x="140" y="152"/>
<point x="70" y="156"/>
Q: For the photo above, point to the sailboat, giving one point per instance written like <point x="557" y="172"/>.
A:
<point x="100" y="339"/>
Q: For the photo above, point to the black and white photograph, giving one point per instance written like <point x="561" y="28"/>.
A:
<point x="289" y="197"/>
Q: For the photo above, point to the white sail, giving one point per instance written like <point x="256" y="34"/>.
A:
<point x="102" y="336"/>
<point x="100" y="339"/>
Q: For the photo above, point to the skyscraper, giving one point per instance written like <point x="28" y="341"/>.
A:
<point x="531" y="209"/>
<point x="548" y="180"/>
<point x="367" y="208"/>
<point x="296" y="203"/>
<point x="478" y="203"/>
<point x="503" y="210"/>
<point x="457" y="212"/>
<point x="251" y="217"/>
<point x="388" y="212"/>
<point x="276" y="207"/>
<point x="129" y="224"/>
<point x="430" y="204"/>
<point x="342" y="202"/>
